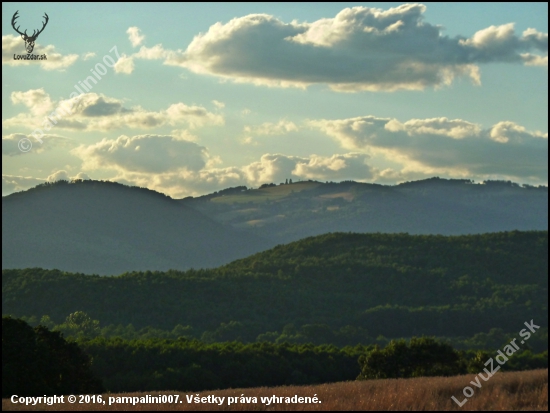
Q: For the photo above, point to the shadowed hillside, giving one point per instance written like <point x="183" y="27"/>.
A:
<point x="334" y="288"/>
<point x="108" y="228"/>
<point x="284" y="213"/>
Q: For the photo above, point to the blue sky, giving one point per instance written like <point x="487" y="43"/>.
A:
<point x="200" y="97"/>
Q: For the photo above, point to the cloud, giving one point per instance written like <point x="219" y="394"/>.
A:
<point x="184" y="134"/>
<point x="88" y="56"/>
<point x="361" y="48"/>
<point x="143" y="154"/>
<point x="37" y="100"/>
<point x="124" y="65"/>
<point x="268" y="128"/>
<point x="184" y="183"/>
<point x="18" y="143"/>
<point x="278" y="167"/>
<point x="179" y="167"/>
<point x="337" y="167"/>
<point x="14" y="45"/>
<point x="500" y="44"/>
<point x="135" y="36"/>
<point x="218" y="104"/>
<point x="58" y="176"/>
<point x="153" y="53"/>
<point x="534" y="60"/>
<point x="63" y="175"/>
<point x="97" y="112"/>
<point x="270" y="168"/>
<point x="14" y="183"/>
<point x="448" y="146"/>
<point x="194" y="115"/>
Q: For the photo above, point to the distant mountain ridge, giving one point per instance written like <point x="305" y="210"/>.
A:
<point x="289" y="212"/>
<point x="108" y="228"/>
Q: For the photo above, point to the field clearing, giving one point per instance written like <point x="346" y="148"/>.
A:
<point x="527" y="390"/>
<point x="348" y="196"/>
<point x="272" y="193"/>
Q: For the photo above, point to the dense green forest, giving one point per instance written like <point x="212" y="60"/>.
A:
<point x="192" y="365"/>
<point x="340" y="289"/>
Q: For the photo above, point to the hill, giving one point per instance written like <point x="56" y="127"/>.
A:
<point x="335" y="288"/>
<point x="284" y="213"/>
<point x="108" y="228"/>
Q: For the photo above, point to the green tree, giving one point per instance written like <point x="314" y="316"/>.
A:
<point x="420" y="357"/>
<point x="80" y="324"/>
<point x="37" y="362"/>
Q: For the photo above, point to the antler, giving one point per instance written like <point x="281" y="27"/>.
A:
<point x="43" y="26"/>
<point x="15" y="16"/>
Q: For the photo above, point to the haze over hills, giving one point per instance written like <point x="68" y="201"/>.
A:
<point x="107" y="228"/>
<point x="284" y="213"/>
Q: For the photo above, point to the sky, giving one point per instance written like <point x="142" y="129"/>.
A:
<point x="191" y="98"/>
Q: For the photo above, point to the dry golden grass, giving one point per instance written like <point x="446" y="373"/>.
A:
<point x="505" y="391"/>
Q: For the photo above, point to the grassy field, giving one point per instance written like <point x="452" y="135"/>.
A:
<point x="526" y="390"/>
<point x="272" y="193"/>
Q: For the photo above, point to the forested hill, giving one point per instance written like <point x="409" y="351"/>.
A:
<point x="325" y="287"/>
<point x="288" y="212"/>
<point x="109" y="228"/>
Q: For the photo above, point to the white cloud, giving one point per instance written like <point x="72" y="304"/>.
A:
<point x="135" y="36"/>
<point x="184" y="134"/>
<point x="448" y="146"/>
<point x="14" y="45"/>
<point x="278" y="167"/>
<point x="37" y="100"/>
<point x="14" y="183"/>
<point x="97" y="112"/>
<point x="361" y="48"/>
<point x="337" y="167"/>
<point x="179" y="167"/>
<point x="63" y="175"/>
<point x="268" y="128"/>
<point x="143" y="154"/>
<point x="218" y="104"/>
<point x="152" y="53"/>
<point x="270" y="168"/>
<point x="18" y="143"/>
<point x="195" y="115"/>
<point x="124" y="65"/>
<point x="534" y="60"/>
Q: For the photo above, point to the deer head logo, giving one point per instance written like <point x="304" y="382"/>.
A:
<point x="29" y="40"/>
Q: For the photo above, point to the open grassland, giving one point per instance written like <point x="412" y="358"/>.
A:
<point x="272" y="193"/>
<point x="526" y="390"/>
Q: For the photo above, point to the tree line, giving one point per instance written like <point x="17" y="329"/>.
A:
<point x="40" y="362"/>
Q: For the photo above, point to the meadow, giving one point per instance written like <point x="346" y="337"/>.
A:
<point x="527" y="390"/>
